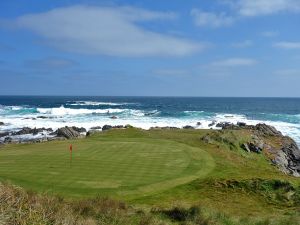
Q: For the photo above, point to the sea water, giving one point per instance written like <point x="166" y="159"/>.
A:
<point x="145" y="112"/>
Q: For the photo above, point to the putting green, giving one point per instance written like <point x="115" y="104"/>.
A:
<point x="124" y="166"/>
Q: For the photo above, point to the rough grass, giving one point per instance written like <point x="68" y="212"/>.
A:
<point x="19" y="207"/>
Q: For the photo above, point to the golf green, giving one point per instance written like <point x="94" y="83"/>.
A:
<point x="124" y="167"/>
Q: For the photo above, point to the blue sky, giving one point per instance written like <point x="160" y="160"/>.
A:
<point x="152" y="48"/>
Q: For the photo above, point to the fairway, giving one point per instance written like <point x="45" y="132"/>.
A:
<point x="124" y="167"/>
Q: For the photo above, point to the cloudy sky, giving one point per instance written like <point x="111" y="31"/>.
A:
<point x="138" y="47"/>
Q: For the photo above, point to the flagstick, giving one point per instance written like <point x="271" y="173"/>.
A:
<point x="71" y="155"/>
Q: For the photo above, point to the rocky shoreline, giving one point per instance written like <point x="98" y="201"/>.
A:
<point x="285" y="154"/>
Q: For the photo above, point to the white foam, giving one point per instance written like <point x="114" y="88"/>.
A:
<point x="93" y="103"/>
<point x="61" y="116"/>
<point x="61" y="111"/>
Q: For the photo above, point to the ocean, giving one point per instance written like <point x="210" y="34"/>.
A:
<point x="145" y="112"/>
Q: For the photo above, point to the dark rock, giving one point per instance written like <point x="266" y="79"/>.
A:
<point x="288" y="159"/>
<point x="96" y="128"/>
<point x="34" y="131"/>
<point x="212" y="123"/>
<point x="114" y="117"/>
<point x="267" y="130"/>
<point x="251" y="147"/>
<point x="241" y="124"/>
<point x="3" y="134"/>
<point x="226" y="125"/>
<point x="188" y="127"/>
<point x="198" y="123"/>
<point x="206" y="139"/>
<point x="67" y="132"/>
<point x="92" y="132"/>
<point x="80" y="130"/>
<point x="8" y="140"/>
<point x="107" y="127"/>
<point x="164" y="128"/>
<point x="245" y="147"/>
<point x="24" y="130"/>
<point x="1" y="123"/>
<point x="53" y="133"/>
<point x="42" y="117"/>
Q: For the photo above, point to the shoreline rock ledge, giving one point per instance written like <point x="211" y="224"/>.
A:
<point x="283" y="152"/>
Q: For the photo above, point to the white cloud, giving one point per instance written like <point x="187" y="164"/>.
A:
<point x="209" y="19"/>
<point x="234" y="62"/>
<point x="245" y="8"/>
<point x="107" y="31"/>
<point x="287" y="45"/>
<point x="266" y="7"/>
<point x="243" y="44"/>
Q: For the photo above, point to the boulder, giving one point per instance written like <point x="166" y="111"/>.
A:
<point x="206" y="139"/>
<point x="7" y="140"/>
<point x="241" y="124"/>
<point x="114" y="117"/>
<point x="24" y="130"/>
<point x="34" y="131"/>
<point x="1" y="123"/>
<point x="188" y="127"/>
<point x="198" y="124"/>
<point x="3" y="134"/>
<point x="67" y="132"/>
<point x="245" y="147"/>
<point x="212" y="123"/>
<point x="42" y="117"/>
<point x="80" y="130"/>
<point x="227" y="125"/>
<point x="106" y="127"/>
<point x="92" y="132"/>
<point x="96" y="128"/>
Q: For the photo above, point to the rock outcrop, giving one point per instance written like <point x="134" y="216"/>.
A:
<point x="266" y="130"/>
<point x="288" y="159"/>
<point x="96" y="128"/>
<point x="1" y="123"/>
<point x="3" y="134"/>
<point x="187" y="127"/>
<point x="79" y="129"/>
<point x="67" y="132"/>
<point x="281" y="150"/>
<point x="34" y="131"/>
<point x="286" y="156"/>
<point x="108" y="127"/>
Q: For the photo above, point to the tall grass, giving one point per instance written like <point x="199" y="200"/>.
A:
<point x="19" y="207"/>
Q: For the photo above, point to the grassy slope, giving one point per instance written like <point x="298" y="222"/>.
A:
<point x="228" y="188"/>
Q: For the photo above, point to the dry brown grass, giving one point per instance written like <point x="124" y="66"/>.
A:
<point x="18" y="207"/>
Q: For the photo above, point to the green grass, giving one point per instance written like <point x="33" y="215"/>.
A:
<point x="103" y="166"/>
